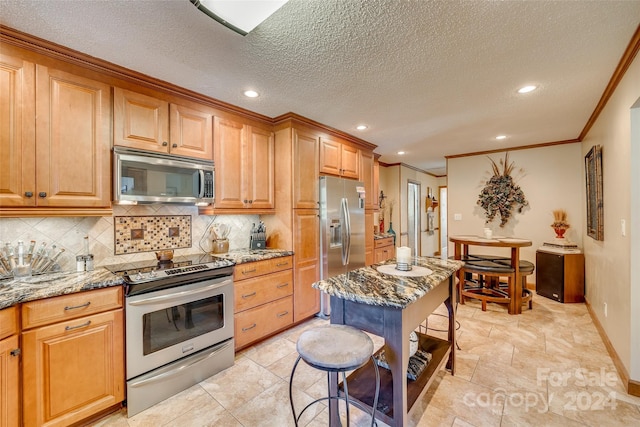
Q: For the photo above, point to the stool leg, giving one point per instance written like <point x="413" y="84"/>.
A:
<point x="346" y="395"/>
<point x="293" y="411"/>
<point x="375" y="398"/>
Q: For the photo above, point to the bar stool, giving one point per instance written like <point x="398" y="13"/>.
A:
<point x="335" y="348"/>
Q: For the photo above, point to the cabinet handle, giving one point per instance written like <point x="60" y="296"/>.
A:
<point x="282" y="264"/>
<point x="250" y="201"/>
<point x="246" y="201"/>
<point x="16" y="352"/>
<point x="165" y="143"/>
<point x="283" y="285"/>
<point x="28" y="194"/>
<point x="284" y="313"/>
<point x="249" y="295"/>
<point x="42" y="194"/>
<point x="86" y="304"/>
<point x="248" y="271"/>
<point x="174" y="145"/>
<point x="249" y="328"/>
<point x="70" y="328"/>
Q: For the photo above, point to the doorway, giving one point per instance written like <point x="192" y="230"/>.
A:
<point x="413" y="216"/>
<point x="444" y="244"/>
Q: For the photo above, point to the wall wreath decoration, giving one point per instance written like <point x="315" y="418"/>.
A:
<point x="500" y="194"/>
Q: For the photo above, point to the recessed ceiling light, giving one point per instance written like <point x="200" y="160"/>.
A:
<point x="501" y="137"/>
<point x="401" y="152"/>
<point x="527" y="89"/>
<point x="251" y="93"/>
<point x="362" y="127"/>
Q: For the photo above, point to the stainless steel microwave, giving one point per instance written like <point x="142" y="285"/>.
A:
<point x="145" y="177"/>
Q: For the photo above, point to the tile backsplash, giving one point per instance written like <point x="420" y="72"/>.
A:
<point x="151" y="233"/>
<point x="69" y="232"/>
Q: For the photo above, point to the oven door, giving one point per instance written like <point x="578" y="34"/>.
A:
<point x="169" y="324"/>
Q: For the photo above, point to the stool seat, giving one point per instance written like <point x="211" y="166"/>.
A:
<point x="335" y="347"/>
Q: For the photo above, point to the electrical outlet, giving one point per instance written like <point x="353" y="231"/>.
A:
<point x="623" y="227"/>
<point x="605" y="309"/>
<point x="457" y="217"/>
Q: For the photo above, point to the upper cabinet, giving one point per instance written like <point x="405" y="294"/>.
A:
<point x="339" y="159"/>
<point x="55" y="142"/>
<point x="305" y="170"/>
<point x="244" y="157"/>
<point x="148" y="123"/>
<point x="367" y="176"/>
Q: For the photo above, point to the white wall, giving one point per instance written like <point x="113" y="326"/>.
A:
<point x="608" y="262"/>
<point x="550" y="177"/>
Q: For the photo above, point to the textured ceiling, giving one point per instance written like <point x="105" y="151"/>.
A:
<point x="432" y="78"/>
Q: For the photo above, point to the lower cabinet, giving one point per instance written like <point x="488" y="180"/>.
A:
<point x="383" y="249"/>
<point x="73" y="361"/>
<point x="9" y="368"/>
<point x="263" y="302"/>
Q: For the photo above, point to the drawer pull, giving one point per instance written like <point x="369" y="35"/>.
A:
<point x="86" y="304"/>
<point x="283" y="285"/>
<point x="284" y="313"/>
<point x="249" y="271"/>
<point x="70" y="328"/>
<point x="249" y="328"/>
<point x="282" y="264"/>
<point x="249" y="295"/>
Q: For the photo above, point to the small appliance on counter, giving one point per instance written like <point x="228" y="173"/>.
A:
<point x="259" y="236"/>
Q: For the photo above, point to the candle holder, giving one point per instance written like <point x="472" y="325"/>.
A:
<point x="403" y="266"/>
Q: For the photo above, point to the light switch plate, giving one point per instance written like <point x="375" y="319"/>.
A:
<point x="457" y="217"/>
<point x="623" y="227"/>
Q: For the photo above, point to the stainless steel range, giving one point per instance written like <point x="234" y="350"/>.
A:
<point x="179" y="325"/>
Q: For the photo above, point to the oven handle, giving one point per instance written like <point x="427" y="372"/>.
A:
<point x="178" y="369"/>
<point x="179" y="295"/>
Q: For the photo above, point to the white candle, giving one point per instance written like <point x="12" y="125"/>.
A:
<point x="403" y="254"/>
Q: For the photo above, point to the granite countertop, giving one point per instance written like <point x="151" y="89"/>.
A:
<point x="367" y="285"/>
<point x="14" y="291"/>
<point x="381" y="236"/>
<point x="241" y="256"/>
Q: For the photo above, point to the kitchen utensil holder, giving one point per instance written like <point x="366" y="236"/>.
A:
<point x="258" y="243"/>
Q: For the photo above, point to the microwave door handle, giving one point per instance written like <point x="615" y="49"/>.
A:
<point x="201" y="174"/>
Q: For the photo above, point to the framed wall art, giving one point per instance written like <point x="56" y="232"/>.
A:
<point x="595" y="208"/>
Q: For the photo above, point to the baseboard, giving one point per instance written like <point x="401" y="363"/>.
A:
<point x="632" y="387"/>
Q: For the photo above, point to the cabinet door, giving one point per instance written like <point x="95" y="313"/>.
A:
<point x="350" y="161"/>
<point x="330" y="157"/>
<point x="366" y="176"/>
<point x="73" y="140"/>
<point x="228" y="158"/>
<point x="306" y="229"/>
<point x="368" y="238"/>
<point x="260" y="174"/>
<point x="375" y="199"/>
<point x="9" y="383"/>
<point x="305" y="170"/>
<point x="140" y="121"/>
<point x="17" y="132"/>
<point x="73" y="369"/>
<point x="191" y="132"/>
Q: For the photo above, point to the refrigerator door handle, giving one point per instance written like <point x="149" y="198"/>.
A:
<point x="346" y="243"/>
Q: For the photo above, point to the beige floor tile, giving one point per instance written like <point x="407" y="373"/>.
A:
<point x="117" y="419"/>
<point x="486" y="347"/>
<point x="505" y="379"/>
<point x="269" y="352"/>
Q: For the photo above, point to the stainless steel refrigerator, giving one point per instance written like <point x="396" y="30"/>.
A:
<point x="341" y="229"/>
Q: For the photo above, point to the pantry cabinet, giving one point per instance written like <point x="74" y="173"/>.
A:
<point x="56" y="150"/>
<point x="73" y="356"/>
<point x="337" y="158"/>
<point x="244" y="159"/>
<point x="9" y="368"/>
<point x="306" y="226"/>
<point x="368" y="238"/>
<point x="263" y="301"/>
<point x="148" y="123"/>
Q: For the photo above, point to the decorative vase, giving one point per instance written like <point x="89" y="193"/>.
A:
<point x="560" y="232"/>
<point x="390" y="231"/>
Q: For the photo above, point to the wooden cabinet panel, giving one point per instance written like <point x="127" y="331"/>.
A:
<point x="305" y="170"/>
<point x="280" y="264"/>
<point x="383" y="249"/>
<point x="368" y="238"/>
<point x="366" y="176"/>
<point x="259" y="173"/>
<point x="330" y="157"/>
<point x="17" y="131"/>
<point x="73" y="370"/>
<point x="350" y="161"/>
<point x="260" y="290"/>
<point x="228" y="157"/>
<point x="256" y="323"/>
<point x="8" y="322"/>
<point x="191" y="132"/>
<point x="69" y="307"/>
<point x="375" y="200"/>
<point x="9" y="383"/>
<point x="140" y="121"/>
<point x="307" y="261"/>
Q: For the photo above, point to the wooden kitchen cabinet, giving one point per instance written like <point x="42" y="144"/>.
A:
<point x="263" y="302"/>
<point x="244" y="158"/>
<point x="56" y="151"/>
<point x="383" y="249"/>
<point x="306" y="170"/>
<point x="306" y="226"/>
<point x="73" y="365"/>
<point x="337" y="158"/>
<point x="369" y="257"/>
<point x="147" y="123"/>
<point x="9" y="368"/>
<point x="367" y="177"/>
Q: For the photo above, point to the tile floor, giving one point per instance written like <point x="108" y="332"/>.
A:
<point x="545" y="367"/>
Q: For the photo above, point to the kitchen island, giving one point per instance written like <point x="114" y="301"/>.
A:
<point x="391" y="304"/>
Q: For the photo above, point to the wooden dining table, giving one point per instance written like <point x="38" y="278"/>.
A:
<point x="461" y="251"/>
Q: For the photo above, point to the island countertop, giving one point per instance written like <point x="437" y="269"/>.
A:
<point x="369" y="286"/>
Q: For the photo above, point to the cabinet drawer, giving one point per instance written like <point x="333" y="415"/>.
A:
<point x="387" y="241"/>
<point x="8" y="322"/>
<point x="251" y="269"/>
<point x="281" y="263"/>
<point x="56" y="309"/>
<point x="260" y="290"/>
<point x="256" y="323"/>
